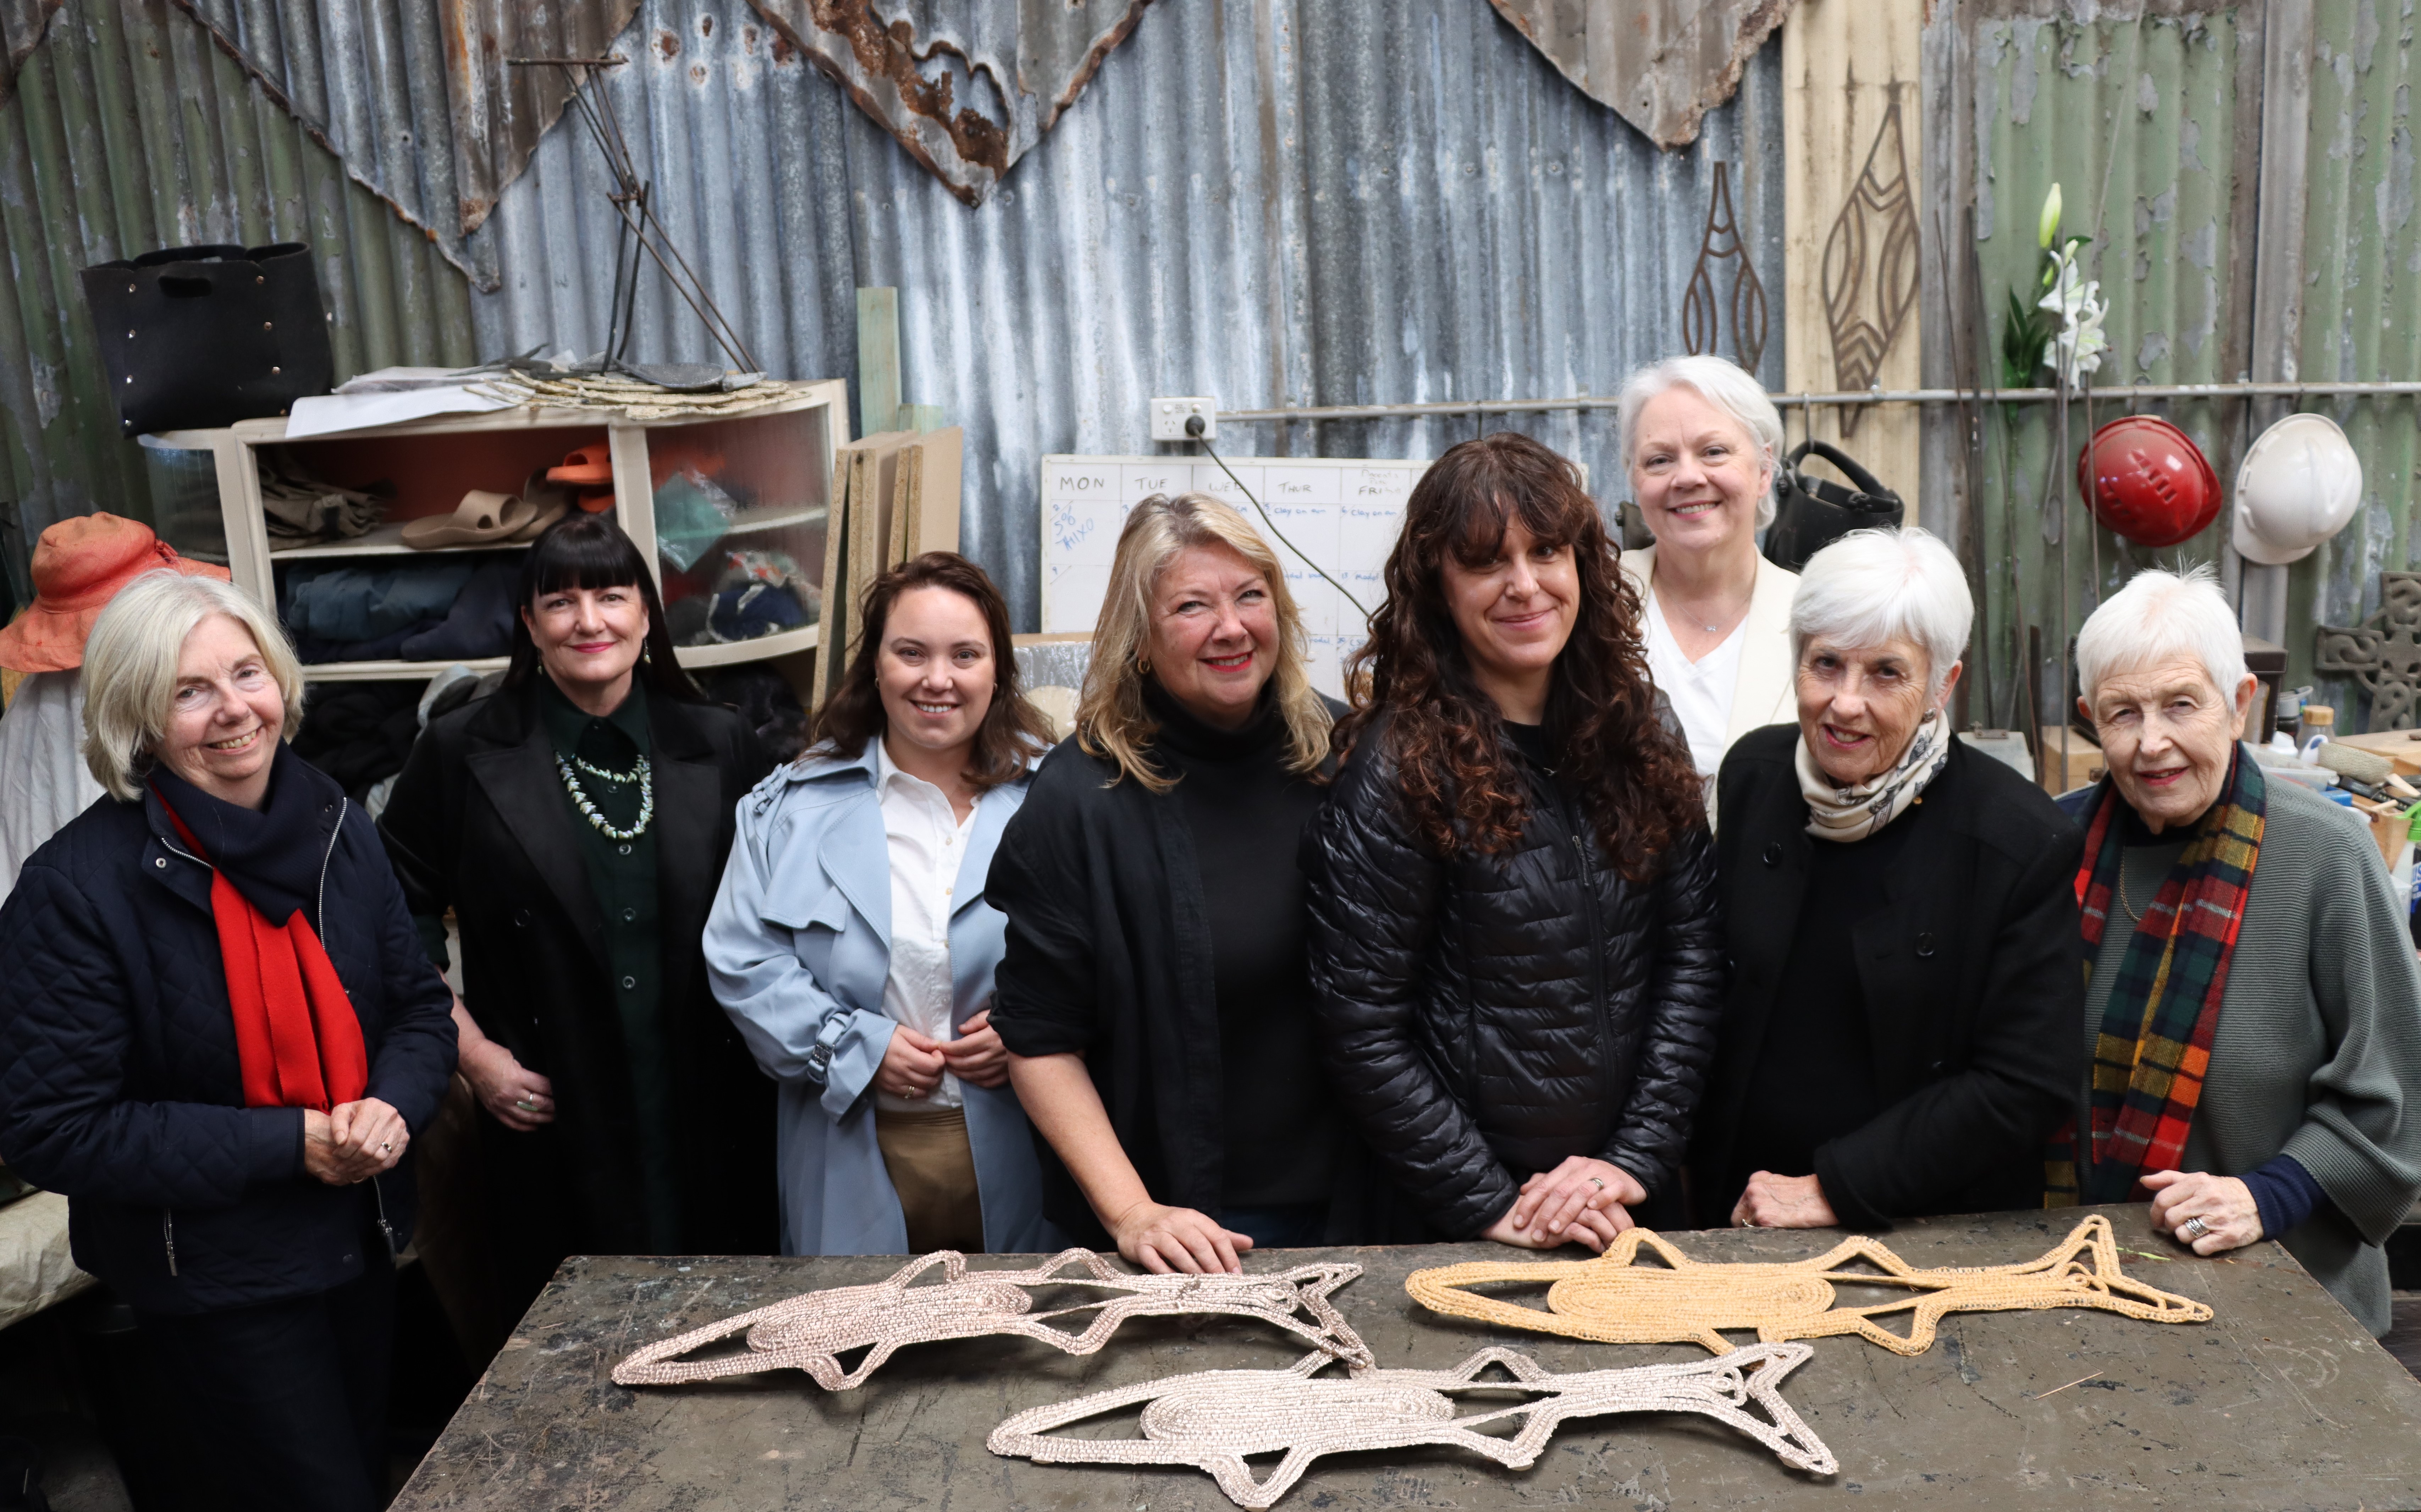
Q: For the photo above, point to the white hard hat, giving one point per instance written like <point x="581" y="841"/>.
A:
<point x="2300" y="485"/>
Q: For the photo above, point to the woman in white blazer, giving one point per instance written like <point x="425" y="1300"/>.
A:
<point x="1702" y="442"/>
<point x="852" y="944"/>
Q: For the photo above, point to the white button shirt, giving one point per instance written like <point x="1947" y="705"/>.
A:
<point x="927" y="842"/>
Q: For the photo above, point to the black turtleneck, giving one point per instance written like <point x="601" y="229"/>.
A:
<point x="1247" y="814"/>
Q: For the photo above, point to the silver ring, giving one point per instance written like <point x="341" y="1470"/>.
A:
<point x="2194" y="1228"/>
<point x="1595" y="1182"/>
<point x="385" y="1146"/>
<point x="526" y="1105"/>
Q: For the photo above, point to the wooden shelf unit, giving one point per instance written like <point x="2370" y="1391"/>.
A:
<point x="789" y="445"/>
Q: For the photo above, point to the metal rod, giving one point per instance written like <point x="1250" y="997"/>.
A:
<point x="1905" y="396"/>
<point x="614" y="62"/>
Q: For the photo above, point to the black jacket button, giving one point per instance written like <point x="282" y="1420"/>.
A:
<point x="1925" y="944"/>
<point x="1774" y="855"/>
<point x="1938" y="1067"/>
<point x="521" y="918"/>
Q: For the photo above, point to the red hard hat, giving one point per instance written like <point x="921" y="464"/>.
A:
<point x="2146" y="480"/>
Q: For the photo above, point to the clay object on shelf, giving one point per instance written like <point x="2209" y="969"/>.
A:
<point x="1615" y="1300"/>
<point x="810" y="1332"/>
<point x="1213" y="1419"/>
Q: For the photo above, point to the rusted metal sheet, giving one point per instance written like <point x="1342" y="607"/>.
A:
<point x="968" y="87"/>
<point x="499" y="111"/>
<point x="22" y="24"/>
<point x="1660" y="64"/>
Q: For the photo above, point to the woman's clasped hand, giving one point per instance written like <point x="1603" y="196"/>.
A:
<point x="1582" y="1201"/>
<point x="352" y="1142"/>
<point x="912" y="1062"/>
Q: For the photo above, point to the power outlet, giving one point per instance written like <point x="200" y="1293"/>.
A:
<point x="1168" y="417"/>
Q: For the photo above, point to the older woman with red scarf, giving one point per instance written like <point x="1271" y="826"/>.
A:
<point x="218" y="1036"/>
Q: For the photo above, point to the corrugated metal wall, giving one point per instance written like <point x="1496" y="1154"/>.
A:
<point x="2362" y="265"/>
<point x="2138" y="120"/>
<point x="129" y="130"/>
<point x="1270" y="201"/>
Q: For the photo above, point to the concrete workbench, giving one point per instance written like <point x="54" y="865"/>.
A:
<point x="2281" y="1402"/>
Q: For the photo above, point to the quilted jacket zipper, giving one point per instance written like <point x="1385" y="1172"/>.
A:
<point x="168" y="1236"/>
<point x="379" y="1194"/>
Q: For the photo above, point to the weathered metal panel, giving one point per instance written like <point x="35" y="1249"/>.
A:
<point x="1278" y="202"/>
<point x="968" y="87"/>
<point x="2149" y="121"/>
<point x="2362" y="267"/>
<point x="131" y="131"/>
<point x="22" y="24"/>
<point x="1663" y="64"/>
<point x="500" y="112"/>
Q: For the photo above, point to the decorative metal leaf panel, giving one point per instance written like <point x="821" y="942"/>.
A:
<point x="1871" y="264"/>
<point x="1707" y="316"/>
<point x="2384" y="652"/>
<point x="1659" y="64"/>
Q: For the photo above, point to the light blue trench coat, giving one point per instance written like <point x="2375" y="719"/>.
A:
<point x="797" y="947"/>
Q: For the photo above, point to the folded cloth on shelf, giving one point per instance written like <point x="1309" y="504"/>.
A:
<point x="315" y="652"/>
<point x="300" y="508"/>
<point x="331" y="602"/>
<point x="479" y="623"/>
<point x="358" y="732"/>
<point x="692" y="514"/>
<point x="758" y="609"/>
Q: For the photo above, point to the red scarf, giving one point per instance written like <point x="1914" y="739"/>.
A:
<point x="296" y="1034"/>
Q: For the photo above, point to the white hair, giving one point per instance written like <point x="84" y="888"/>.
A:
<point x="1721" y="383"/>
<point x="2160" y="616"/>
<point x="129" y="669"/>
<point x="1876" y="586"/>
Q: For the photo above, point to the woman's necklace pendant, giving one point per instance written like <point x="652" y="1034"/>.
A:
<point x="589" y="810"/>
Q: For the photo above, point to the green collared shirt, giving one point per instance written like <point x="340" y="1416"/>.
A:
<point x="622" y="878"/>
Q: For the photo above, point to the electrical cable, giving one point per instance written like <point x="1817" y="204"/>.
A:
<point x="1194" y="428"/>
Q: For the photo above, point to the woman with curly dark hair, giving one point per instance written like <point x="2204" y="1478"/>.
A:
<point x="1515" y="946"/>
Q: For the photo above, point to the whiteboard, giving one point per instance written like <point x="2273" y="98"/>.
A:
<point x="1345" y="513"/>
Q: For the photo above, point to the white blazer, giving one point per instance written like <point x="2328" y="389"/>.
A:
<point x="1765" y="692"/>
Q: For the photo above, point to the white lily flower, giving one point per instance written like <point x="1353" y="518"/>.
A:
<point x="2078" y="345"/>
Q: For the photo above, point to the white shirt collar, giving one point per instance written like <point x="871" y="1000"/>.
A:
<point x="889" y="774"/>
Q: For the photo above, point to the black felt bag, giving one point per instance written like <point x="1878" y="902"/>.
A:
<point x="1813" y="513"/>
<point x="203" y="336"/>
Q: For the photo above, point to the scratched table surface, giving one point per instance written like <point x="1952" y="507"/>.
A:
<point x="2282" y="1401"/>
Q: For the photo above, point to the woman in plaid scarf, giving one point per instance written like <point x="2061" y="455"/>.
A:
<point x="2252" y="1014"/>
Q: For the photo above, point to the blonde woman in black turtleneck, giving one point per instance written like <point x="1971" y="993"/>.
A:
<point x="1154" y="995"/>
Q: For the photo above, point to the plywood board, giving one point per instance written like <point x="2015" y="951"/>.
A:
<point x="931" y="472"/>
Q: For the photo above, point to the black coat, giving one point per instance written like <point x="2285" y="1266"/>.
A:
<point x="1108" y="947"/>
<point x="119" y="1082"/>
<point x="1486" y="1016"/>
<point x="1968" y="967"/>
<point x="477" y="822"/>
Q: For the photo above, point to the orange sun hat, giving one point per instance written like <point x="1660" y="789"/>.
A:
<point x="79" y="566"/>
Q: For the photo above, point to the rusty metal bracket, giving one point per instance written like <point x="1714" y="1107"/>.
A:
<point x="2384" y="652"/>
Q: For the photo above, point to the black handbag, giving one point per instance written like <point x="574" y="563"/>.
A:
<point x="1813" y="514"/>
<point x="195" y="338"/>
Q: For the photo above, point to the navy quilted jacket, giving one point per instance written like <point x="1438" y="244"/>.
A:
<point x="119" y="1083"/>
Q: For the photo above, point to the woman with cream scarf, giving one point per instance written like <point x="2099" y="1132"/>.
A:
<point x="1897" y="1038"/>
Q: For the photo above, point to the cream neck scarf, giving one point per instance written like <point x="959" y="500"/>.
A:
<point x="1854" y="812"/>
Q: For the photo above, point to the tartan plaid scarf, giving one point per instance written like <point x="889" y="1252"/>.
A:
<point x="2154" y="1046"/>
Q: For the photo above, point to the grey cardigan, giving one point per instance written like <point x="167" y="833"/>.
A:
<point x="2317" y="1052"/>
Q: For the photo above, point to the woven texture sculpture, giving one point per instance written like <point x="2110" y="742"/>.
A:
<point x="1616" y="1301"/>
<point x="812" y="1331"/>
<point x="1213" y="1419"/>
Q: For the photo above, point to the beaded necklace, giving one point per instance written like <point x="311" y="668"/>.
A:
<point x="580" y="799"/>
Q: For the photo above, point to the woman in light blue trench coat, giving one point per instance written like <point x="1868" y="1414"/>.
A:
<point x="801" y="943"/>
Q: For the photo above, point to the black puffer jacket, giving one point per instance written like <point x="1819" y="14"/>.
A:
<point x="1486" y="1017"/>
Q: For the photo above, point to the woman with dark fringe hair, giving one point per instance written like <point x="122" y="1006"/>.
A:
<point x="574" y="822"/>
<point x="1514" y="938"/>
<point x="853" y="944"/>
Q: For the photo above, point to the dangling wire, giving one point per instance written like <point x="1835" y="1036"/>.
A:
<point x="1300" y="555"/>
